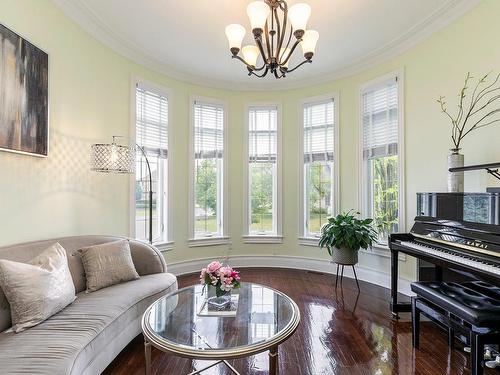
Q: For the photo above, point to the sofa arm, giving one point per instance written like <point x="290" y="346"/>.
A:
<point x="147" y="258"/>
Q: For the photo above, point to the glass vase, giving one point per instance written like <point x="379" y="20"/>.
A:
<point x="218" y="299"/>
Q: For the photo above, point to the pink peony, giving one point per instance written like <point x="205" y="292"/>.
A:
<point x="235" y="275"/>
<point x="214" y="267"/>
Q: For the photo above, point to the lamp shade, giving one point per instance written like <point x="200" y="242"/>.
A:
<point x="112" y="158"/>
<point x="258" y="11"/>
<point x="298" y="15"/>
<point x="235" y="34"/>
<point x="309" y="41"/>
<point x="251" y="54"/>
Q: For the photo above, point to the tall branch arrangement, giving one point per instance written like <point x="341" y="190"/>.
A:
<point x="476" y="112"/>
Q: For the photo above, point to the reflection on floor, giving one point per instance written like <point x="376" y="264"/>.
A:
<point x="341" y="332"/>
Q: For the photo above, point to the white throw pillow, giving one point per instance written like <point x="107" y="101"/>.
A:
<point x="38" y="289"/>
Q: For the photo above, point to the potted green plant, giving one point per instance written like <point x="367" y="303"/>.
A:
<point x="344" y="235"/>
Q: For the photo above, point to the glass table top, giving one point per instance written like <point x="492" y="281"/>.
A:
<point x="265" y="318"/>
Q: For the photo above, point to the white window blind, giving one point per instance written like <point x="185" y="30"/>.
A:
<point x="380" y="137"/>
<point x="208" y="169"/>
<point x="318" y="146"/>
<point x="380" y="120"/>
<point x="152" y="136"/>
<point x="262" y="169"/>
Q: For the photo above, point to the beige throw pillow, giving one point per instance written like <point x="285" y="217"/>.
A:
<point x="38" y="289"/>
<point x="108" y="264"/>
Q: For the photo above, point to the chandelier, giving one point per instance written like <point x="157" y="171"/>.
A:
<point x="274" y="25"/>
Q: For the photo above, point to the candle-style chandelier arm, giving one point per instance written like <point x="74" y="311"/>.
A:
<point x="288" y="42"/>
<point x="299" y="65"/>
<point x="297" y="42"/>
<point x="258" y="41"/>
<point x="268" y="43"/>
<point x="252" y="72"/>
<point x="276" y="52"/>
<point x="283" y="33"/>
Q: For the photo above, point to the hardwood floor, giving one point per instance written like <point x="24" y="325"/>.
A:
<point x="340" y="333"/>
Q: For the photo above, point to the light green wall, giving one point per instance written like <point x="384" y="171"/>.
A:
<point x="90" y="101"/>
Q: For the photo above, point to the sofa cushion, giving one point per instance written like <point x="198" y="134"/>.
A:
<point x="38" y="289"/>
<point x="107" y="264"/>
<point x="67" y="342"/>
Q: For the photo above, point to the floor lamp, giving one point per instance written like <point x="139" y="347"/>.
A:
<point x="115" y="158"/>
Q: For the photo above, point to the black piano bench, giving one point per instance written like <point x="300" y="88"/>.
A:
<point x="470" y="311"/>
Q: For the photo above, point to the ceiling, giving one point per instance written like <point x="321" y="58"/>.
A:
<point x="186" y="40"/>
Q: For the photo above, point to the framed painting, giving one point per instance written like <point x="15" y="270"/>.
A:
<point x="24" y="95"/>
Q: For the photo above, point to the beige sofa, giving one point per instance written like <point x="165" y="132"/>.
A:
<point x="88" y="334"/>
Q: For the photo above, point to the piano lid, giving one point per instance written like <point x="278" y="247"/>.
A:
<point x="467" y="220"/>
<point x="483" y="208"/>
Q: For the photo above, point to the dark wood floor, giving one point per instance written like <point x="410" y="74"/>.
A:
<point x="340" y="333"/>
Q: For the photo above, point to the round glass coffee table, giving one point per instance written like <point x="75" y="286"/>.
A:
<point x="180" y="323"/>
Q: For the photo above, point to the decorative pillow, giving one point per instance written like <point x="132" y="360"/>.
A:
<point x="108" y="264"/>
<point x="38" y="289"/>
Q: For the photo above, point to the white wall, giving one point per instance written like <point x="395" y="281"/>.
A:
<point x="90" y="99"/>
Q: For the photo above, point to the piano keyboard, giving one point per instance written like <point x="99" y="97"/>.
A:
<point x="454" y="257"/>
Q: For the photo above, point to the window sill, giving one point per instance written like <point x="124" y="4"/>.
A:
<point x="164" y="246"/>
<point x="208" y="241"/>
<point x="263" y="239"/>
<point x="309" y="241"/>
<point x="383" y="251"/>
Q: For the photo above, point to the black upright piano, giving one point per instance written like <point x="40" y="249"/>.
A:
<point x="455" y="236"/>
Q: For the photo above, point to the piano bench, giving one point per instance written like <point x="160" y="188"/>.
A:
<point x="470" y="310"/>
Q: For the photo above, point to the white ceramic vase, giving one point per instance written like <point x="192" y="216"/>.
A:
<point x="455" y="179"/>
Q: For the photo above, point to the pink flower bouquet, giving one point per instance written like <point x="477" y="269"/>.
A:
<point x="223" y="278"/>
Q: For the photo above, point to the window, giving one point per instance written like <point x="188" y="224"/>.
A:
<point x="208" y="170"/>
<point x="151" y="133"/>
<point x="319" y="150"/>
<point x="381" y="150"/>
<point x="263" y="173"/>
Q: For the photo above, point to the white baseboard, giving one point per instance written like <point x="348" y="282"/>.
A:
<point x="293" y="262"/>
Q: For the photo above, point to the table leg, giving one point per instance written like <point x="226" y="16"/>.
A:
<point x="147" y="354"/>
<point x="273" y="361"/>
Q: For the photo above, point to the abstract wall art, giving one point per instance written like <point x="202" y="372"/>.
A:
<point x="24" y="91"/>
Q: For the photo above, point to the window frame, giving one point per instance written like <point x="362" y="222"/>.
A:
<point x="303" y="238"/>
<point x="167" y="243"/>
<point x="224" y="237"/>
<point x="398" y="75"/>
<point x="277" y="237"/>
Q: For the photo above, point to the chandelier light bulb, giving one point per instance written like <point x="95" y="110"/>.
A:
<point x="258" y="11"/>
<point x="309" y="41"/>
<point x="251" y="54"/>
<point x="235" y="34"/>
<point x="298" y="15"/>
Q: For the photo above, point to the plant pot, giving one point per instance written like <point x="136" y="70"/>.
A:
<point x="345" y="256"/>
<point x="218" y="299"/>
<point x="455" y="179"/>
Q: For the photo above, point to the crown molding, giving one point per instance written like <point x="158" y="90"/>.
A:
<point x="83" y="16"/>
